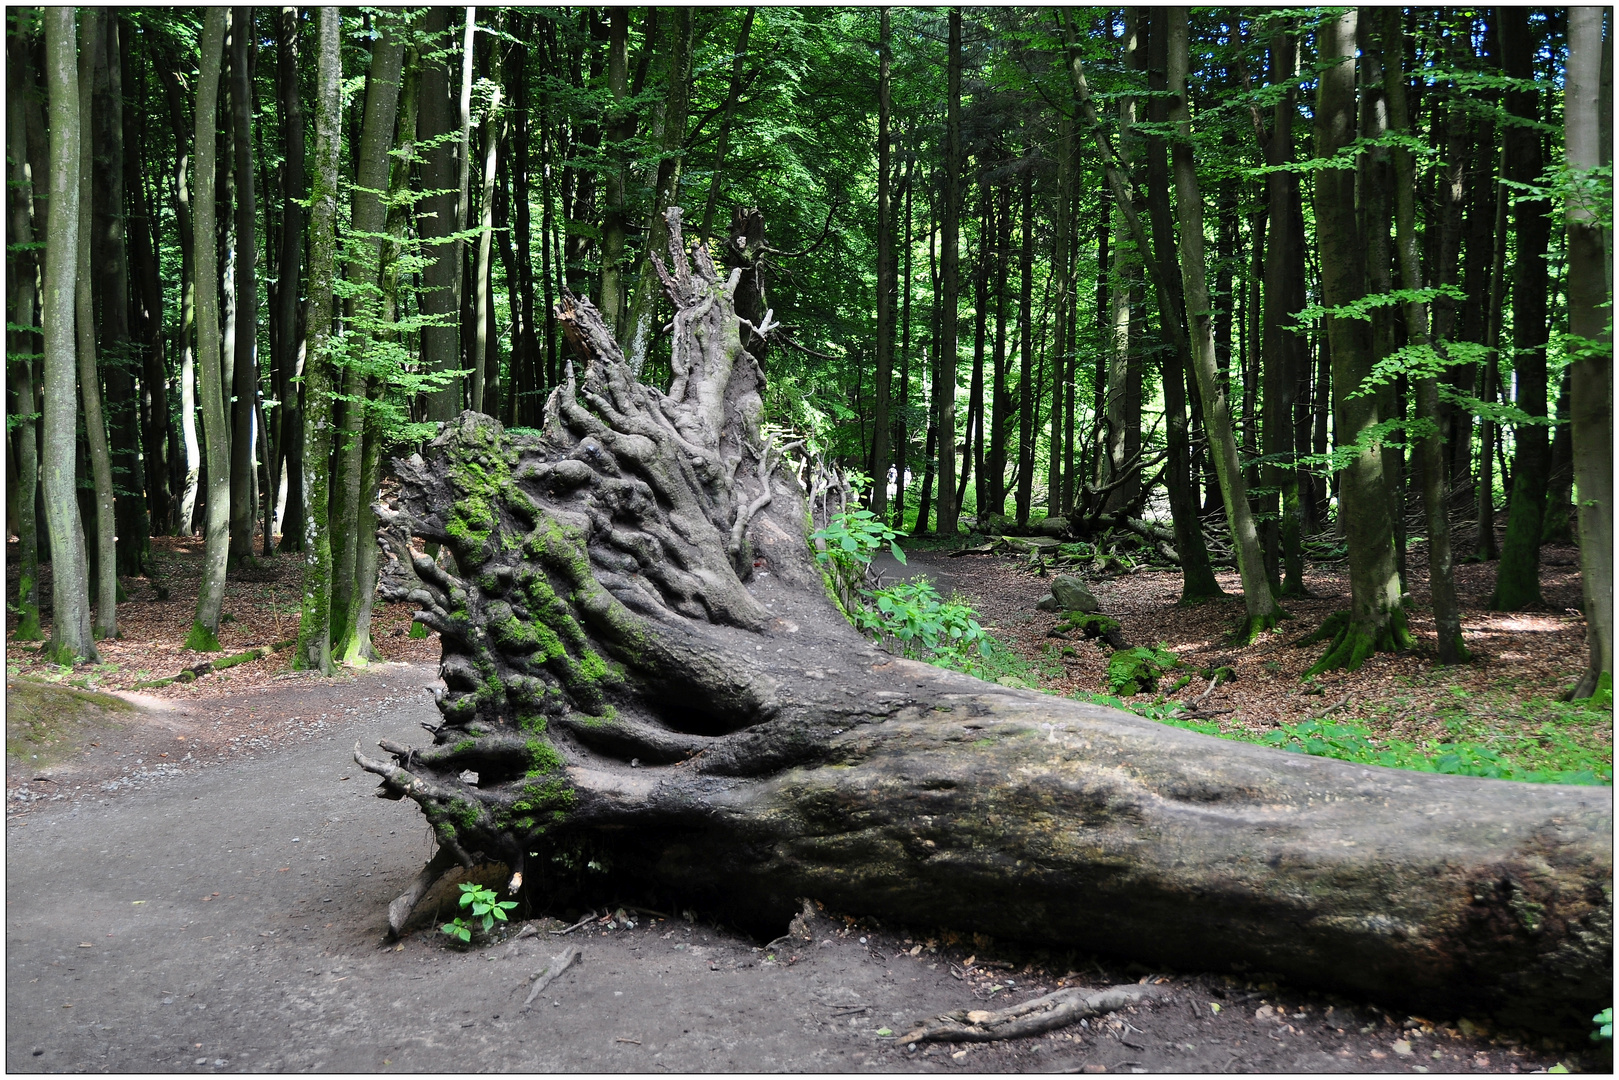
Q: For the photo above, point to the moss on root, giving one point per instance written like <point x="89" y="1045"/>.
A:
<point x="1353" y="641"/>
<point x="202" y="639"/>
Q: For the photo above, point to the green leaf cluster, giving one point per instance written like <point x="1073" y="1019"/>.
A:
<point x="485" y="910"/>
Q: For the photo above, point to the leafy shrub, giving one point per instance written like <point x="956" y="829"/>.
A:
<point x="485" y="910"/>
<point x="926" y="627"/>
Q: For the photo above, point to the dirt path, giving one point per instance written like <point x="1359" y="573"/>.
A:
<point x="226" y="913"/>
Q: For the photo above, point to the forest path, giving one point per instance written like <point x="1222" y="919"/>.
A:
<point x="229" y="916"/>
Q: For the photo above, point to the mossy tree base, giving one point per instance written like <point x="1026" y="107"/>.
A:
<point x="1353" y="641"/>
<point x="1248" y="630"/>
<point x="644" y="671"/>
<point x="202" y="639"/>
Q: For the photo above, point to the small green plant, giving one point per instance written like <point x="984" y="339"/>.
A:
<point x="852" y="538"/>
<point x="485" y="910"/>
<point x="912" y="613"/>
<point x="1604" y="1022"/>
<point x="1130" y="671"/>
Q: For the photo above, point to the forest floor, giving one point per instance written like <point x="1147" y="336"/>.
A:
<point x="197" y="877"/>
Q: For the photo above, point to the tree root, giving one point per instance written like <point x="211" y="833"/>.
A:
<point x="1354" y="640"/>
<point x="208" y="667"/>
<point x="1041" y="1014"/>
<point x="1248" y="631"/>
<point x="559" y="963"/>
<point x="404" y="904"/>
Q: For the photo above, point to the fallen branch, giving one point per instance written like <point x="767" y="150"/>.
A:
<point x="544" y="977"/>
<point x="1340" y="703"/>
<point x="1053" y="1010"/>
<point x="207" y="667"/>
<point x="575" y="926"/>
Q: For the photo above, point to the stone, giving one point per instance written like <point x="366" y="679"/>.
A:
<point x="1052" y="526"/>
<point x="1072" y="595"/>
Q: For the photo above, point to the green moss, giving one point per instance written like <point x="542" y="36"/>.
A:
<point x="543" y="757"/>
<point x="201" y="639"/>
<point x="535" y="723"/>
<point x="464" y="813"/>
<point x="463" y="746"/>
<point x="555" y="796"/>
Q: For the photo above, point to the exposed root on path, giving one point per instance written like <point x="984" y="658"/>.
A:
<point x="559" y="963"/>
<point x="1033" y="1017"/>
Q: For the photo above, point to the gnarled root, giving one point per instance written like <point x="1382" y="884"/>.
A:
<point x="1354" y="640"/>
<point x="404" y="904"/>
<point x="1041" y="1014"/>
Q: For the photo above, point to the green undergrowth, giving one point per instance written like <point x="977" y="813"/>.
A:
<point x="1558" y="742"/>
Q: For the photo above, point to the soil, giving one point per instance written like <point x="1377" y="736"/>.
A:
<point x="200" y="884"/>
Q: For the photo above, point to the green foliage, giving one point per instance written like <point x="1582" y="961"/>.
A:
<point x="1604" y="1022"/>
<point x="853" y="537"/>
<point x="944" y="632"/>
<point x="485" y="910"/>
<point x="1130" y="671"/>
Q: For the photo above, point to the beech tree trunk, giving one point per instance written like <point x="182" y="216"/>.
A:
<point x="644" y="668"/>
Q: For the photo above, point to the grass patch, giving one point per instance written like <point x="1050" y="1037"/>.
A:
<point x="46" y="723"/>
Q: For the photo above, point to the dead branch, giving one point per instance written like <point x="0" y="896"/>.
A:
<point x="1041" y="1014"/>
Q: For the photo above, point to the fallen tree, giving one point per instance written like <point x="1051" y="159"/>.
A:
<point x="644" y="668"/>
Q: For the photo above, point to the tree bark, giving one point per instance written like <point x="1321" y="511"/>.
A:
<point x="1590" y="298"/>
<point x="620" y="127"/>
<point x="1376" y="621"/>
<point x="95" y="429"/>
<point x="1026" y="391"/>
<point x="436" y="224"/>
<point x="1257" y="597"/>
<point x="485" y="354"/>
<point x="71" y="638"/>
<point x="314" y="648"/>
<point x="627" y="683"/>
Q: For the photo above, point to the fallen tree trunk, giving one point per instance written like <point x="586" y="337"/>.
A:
<point x="645" y="671"/>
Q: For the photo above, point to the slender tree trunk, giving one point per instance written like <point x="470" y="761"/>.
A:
<point x="353" y="526"/>
<point x="1027" y="397"/>
<point x="71" y="637"/>
<point x="1063" y="289"/>
<point x="528" y="405"/>
<point x="245" y="380"/>
<point x="1376" y="621"/>
<point x="1283" y="348"/>
<point x="154" y="385"/>
<point x="723" y="141"/>
<point x="106" y="560"/>
<point x="1517" y="582"/>
<point x="314" y="649"/>
<point x="935" y="368"/>
<point x="640" y="319"/>
<point x="109" y="254"/>
<point x="464" y="164"/>
<point x="620" y="128"/>
<point x="1587" y="116"/>
<point x="880" y="452"/>
<point x="1441" y="576"/>
<point x="950" y="283"/>
<point x="1490" y="432"/>
<point x="902" y="425"/>
<point x="1257" y="596"/>
<point x="22" y="268"/>
<point x="485" y="351"/>
<point x="436" y="223"/>
<point x="204" y="636"/>
<point x="1000" y="403"/>
<point x="973" y="447"/>
<point x="289" y="337"/>
<point x="183" y="128"/>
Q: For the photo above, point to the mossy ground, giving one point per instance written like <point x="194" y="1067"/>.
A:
<point x="46" y="723"/>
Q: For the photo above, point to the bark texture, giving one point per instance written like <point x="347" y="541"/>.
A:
<point x="644" y="668"/>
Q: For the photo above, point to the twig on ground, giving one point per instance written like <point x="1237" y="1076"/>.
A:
<point x="1340" y="703"/>
<point x="206" y="667"/>
<point x="575" y="926"/>
<point x="1053" y="1010"/>
<point x="559" y="963"/>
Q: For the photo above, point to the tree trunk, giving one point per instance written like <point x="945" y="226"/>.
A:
<point x="314" y="648"/>
<point x="1376" y="621"/>
<point x="22" y="269"/>
<point x="353" y="536"/>
<point x="183" y="128"/>
<point x="485" y="352"/>
<point x="1283" y="349"/>
<point x="902" y="424"/>
<point x="289" y="340"/>
<point x="71" y="637"/>
<point x="950" y="279"/>
<point x="671" y="139"/>
<point x="628" y="686"/>
<point x="620" y="127"/>
<point x="1441" y="577"/>
<point x="204" y="636"/>
<point x="1027" y="397"/>
<point x="1590" y="297"/>
<point x="95" y="429"/>
<point x="1257" y="597"/>
<point x="245" y="379"/>
<point x="1062" y="288"/>
<point x="1490" y="432"/>
<point x="1000" y="403"/>
<point x="880" y="449"/>
<point x="436" y="223"/>
<point x="1517" y="581"/>
<point x="723" y="140"/>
